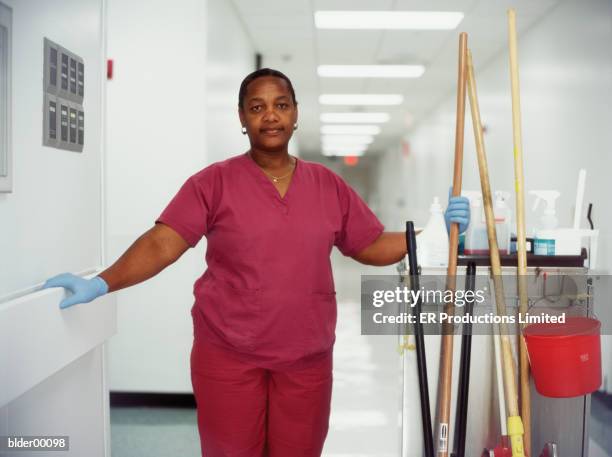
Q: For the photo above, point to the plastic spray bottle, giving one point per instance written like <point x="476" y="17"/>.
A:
<point x="502" y="215"/>
<point x="432" y="242"/>
<point x="476" y="234"/>
<point x="476" y="238"/>
<point x="544" y="242"/>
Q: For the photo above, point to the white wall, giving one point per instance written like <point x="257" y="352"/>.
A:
<point x="171" y="111"/>
<point x="51" y="221"/>
<point x="229" y="59"/>
<point x="77" y="392"/>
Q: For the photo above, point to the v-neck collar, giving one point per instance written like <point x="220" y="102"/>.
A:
<point x="259" y="174"/>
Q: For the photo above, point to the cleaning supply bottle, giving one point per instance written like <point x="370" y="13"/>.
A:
<point x="476" y="241"/>
<point x="432" y="242"/>
<point x="502" y="215"/>
<point x="544" y="242"/>
<point x="548" y="221"/>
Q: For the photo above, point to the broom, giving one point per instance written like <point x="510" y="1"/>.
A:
<point x="515" y="424"/>
<point x="520" y="228"/>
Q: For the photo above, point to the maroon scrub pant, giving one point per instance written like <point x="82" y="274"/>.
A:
<point x="246" y="411"/>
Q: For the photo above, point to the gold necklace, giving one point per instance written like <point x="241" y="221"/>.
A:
<point x="274" y="178"/>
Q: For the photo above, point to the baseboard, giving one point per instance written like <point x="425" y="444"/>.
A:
<point x="150" y="399"/>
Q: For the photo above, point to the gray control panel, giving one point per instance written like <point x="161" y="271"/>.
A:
<point x="64" y="89"/>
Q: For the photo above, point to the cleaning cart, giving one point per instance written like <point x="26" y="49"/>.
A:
<point x="556" y="285"/>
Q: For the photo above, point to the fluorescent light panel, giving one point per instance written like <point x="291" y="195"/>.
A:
<point x="361" y="99"/>
<point x="350" y="129"/>
<point x="379" y="20"/>
<point x="370" y="71"/>
<point x="358" y="118"/>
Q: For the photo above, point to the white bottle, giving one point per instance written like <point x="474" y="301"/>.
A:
<point x="432" y="242"/>
<point x="545" y="234"/>
<point x="548" y="221"/>
<point x="476" y="241"/>
<point x="502" y="216"/>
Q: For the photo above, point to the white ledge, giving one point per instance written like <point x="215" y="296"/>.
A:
<point x="37" y="338"/>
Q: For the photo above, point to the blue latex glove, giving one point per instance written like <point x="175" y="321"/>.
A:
<point x="458" y="210"/>
<point x="83" y="290"/>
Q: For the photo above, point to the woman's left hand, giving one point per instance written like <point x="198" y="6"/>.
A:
<point x="457" y="211"/>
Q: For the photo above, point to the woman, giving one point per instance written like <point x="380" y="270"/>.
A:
<point x="265" y="310"/>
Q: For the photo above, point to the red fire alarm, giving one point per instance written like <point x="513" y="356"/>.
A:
<point x="109" y="69"/>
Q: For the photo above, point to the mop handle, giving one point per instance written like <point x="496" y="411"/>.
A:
<point x="464" y="369"/>
<point x="445" y="377"/>
<point x="499" y="380"/>
<point x="521" y="242"/>
<point x="412" y="250"/>
<point x="419" y="342"/>
<point x="515" y="424"/>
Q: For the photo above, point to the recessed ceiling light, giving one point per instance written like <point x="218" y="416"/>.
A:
<point x="414" y="20"/>
<point x="361" y="99"/>
<point x="370" y="71"/>
<point x="350" y="129"/>
<point x="369" y="118"/>
<point x="345" y="140"/>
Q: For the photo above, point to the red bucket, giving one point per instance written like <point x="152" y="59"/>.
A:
<point x="565" y="358"/>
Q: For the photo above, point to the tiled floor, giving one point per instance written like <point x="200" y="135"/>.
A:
<point x="152" y="432"/>
<point x="365" y="405"/>
<point x="601" y="425"/>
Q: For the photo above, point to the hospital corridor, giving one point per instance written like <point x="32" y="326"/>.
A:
<point x="305" y="228"/>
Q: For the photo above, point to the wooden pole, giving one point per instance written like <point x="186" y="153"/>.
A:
<point x="515" y="425"/>
<point x="446" y="352"/>
<point x="521" y="243"/>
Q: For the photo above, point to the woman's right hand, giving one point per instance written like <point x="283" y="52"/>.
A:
<point x="83" y="290"/>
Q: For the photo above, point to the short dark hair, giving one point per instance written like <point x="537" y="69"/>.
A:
<point x="258" y="74"/>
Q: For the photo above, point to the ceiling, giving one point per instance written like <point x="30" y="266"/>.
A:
<point x="283" y="32"/>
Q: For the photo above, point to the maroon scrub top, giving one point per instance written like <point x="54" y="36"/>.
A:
<point x="268" y="292"/>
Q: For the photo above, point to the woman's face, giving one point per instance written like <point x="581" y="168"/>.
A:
<point x="268" y="113"/>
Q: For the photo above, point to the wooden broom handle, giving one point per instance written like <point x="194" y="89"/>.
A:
<point x="521" y="235"/>
<point x="510" y="387"/>
<point x="459" y="135"/>
<point x="446" y="351"/>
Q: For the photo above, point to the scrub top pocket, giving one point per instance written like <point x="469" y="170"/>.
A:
<point x="231" y="313"/>
<point x="322" y="314"/>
